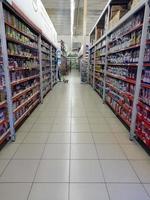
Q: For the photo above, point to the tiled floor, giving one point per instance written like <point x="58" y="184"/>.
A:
<point x="73" y="148"/>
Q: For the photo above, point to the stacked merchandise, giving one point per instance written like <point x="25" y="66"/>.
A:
<point x="84" y="64"/>
<point x="91" y="65"/>
<point x="64" y="67"/>
<point x="143" y="116"/>
<point x="117" y="66"/>
<point x="4" y="124"/>
<point x="99" y="66"/>
<point x="123" y="57"/>
<point x="46" y="66"/>
<point x="54" y="66"/>
<point x="22" y="45"/>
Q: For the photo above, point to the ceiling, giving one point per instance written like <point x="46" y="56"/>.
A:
<point x="59" y="12"/>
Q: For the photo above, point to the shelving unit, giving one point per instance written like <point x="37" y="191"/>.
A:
<point x="54" y="65"/>
<point x="84" y="63"/>
<point x="4" y="119"/>
<point x="92" y="66"/>
<point x="27" y="62"/>
<point x="23" y="60"/>
<point x="122" y="59"/>
<point x="46" y="66"/>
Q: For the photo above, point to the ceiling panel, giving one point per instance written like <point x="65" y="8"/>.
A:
<point x="59" y="12"/>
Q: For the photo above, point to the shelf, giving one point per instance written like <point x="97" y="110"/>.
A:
<point x="99" y="71"/>
<point x="99" y="79"/>
<point x="146" y="123"/>
<point x="143" y="105"/>
<point x="138" y="27"/>
<point x="3" y="121"/>
<point x="21" y="43"/>
<point x="122" y="78"/>
<point x="119" y="115"/>
<point x="24" y="80"/>
<point x="101" y="55"/>
<point x="21" y="68"/>
<point x="26" y="113"/>
<point x="26" y="102"/>
<point x="21" y="32"/>
<point x="100" y="64"/>
<point x="125" y="49"/>
<point x="145" y="85"/>
<point x="4" y="136"/>
<point x="24" y="92"/>
<point x="45" y="59"/>
<point x="44" y="73"/>
<point x="98" y="92"/>
<point x="20" y="56"/>
<point x="122" y="64"/>
<point x="101" y="47"/>
<point x="2" y="104"/>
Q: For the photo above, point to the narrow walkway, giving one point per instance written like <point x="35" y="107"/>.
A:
<point x="73" y="148"/>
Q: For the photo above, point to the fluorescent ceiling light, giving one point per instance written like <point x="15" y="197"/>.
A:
<point x="72" y="7"/>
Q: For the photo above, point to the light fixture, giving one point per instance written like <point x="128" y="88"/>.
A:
<point x="72" y="8"/>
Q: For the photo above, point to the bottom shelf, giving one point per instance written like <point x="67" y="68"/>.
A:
<point x="119" y="115"/>
<point x="26" y="113"/>
<point x="4" y="136"/>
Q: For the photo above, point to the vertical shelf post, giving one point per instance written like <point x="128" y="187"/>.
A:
<point x="139" y="71"/>
<point x="41" y="73"/>
<point x="6" y="72"/>
<point x="106" y="56"/>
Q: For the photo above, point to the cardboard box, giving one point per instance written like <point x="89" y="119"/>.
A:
<point x="134" y="3"/>
<point x="115" y="19"/>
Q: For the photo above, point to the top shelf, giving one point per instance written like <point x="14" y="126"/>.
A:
<point x="119" y="11"/>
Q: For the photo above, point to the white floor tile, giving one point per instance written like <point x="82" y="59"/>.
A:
<point x="147" y="187"/>
<point x="36" y="138"/>
<point x="20" y="171"/>
<point x="110" y="151"/>
<point x="53" y="171"/>
<point x="3" y="164"/>
<point x="42" y="128"/>
<point x="134" y="151"/>
<point x="88" y="192"/>
<point x="59" y="138"/>
<point x="29" y="151"/>
<point x="14" y="191"/>
<point x="82" y="138"/>
<point x="20" y="137"/>
<point x="60" y="128"/>
<point x="84" y="127"/>
<point x="118" y="171"/>
<point x="57" y="151"/>
<point x="142" y="169"/>
<point x="105" y="138"/>
<point x="83" y="151"/>
<point x="101" y="128"/>
<point x="47" y="191"/>
<point x="8" y="151"/>
<point x="85" y="171"/>
<point x="127" y="192"/>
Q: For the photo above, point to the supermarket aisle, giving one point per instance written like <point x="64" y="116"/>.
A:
<point x="73" y="148"/>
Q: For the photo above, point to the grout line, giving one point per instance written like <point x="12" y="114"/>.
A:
<point x="101" y="167"/>
<point x="38" y="165"/>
